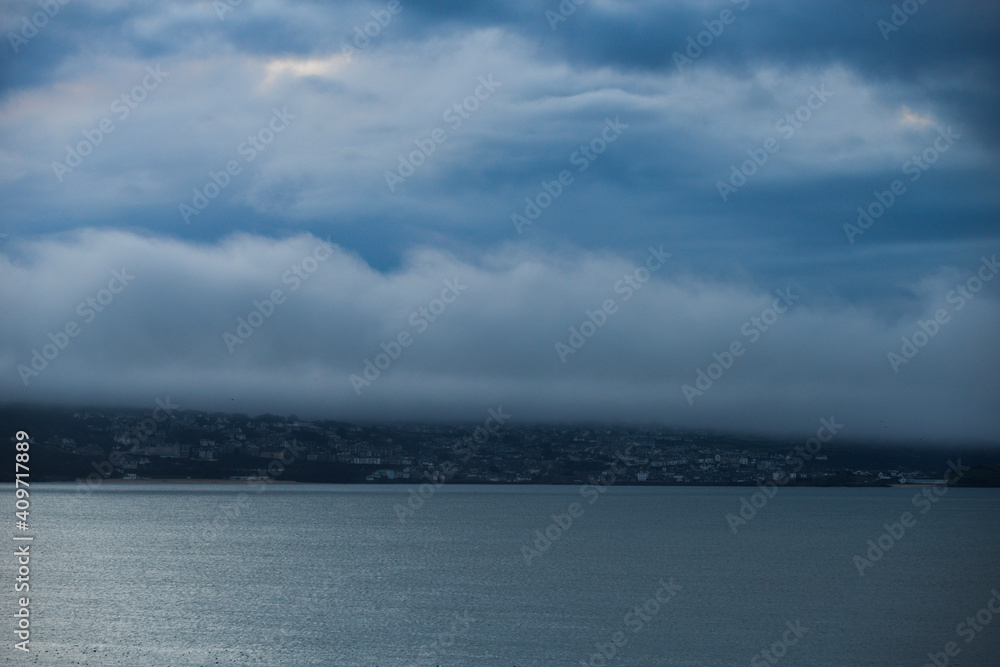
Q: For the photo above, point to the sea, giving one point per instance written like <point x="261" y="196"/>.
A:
<point x="294" y="574"/>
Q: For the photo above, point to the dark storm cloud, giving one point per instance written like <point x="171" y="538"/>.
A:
<point x="354" y="115"/>
<point x="940" y="44"/>
<point x="172" y="327"/>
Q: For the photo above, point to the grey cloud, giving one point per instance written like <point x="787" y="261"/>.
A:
<point x="452" y="218"/>
<point x="163" y="335"/>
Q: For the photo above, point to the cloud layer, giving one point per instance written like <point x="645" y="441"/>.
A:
<point x="355" y="114"/>
<point x="844" y="150"/>
<point x="483" y="332"/>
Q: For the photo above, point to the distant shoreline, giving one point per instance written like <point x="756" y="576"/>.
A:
<point x="465" y="483"/>
<point x="166" y="480"/>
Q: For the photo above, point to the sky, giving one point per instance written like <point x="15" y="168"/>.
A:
<point x="736" y="215"/>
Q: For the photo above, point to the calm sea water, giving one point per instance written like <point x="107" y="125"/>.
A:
<point x="134" y="574"/>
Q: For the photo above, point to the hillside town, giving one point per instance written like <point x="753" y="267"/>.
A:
<point x="174" y="444"/>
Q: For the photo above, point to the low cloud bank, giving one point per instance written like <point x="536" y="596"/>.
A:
<point x="300" y="326"/>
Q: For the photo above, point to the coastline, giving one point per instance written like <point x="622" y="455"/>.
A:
<point x="401" y="483"/>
